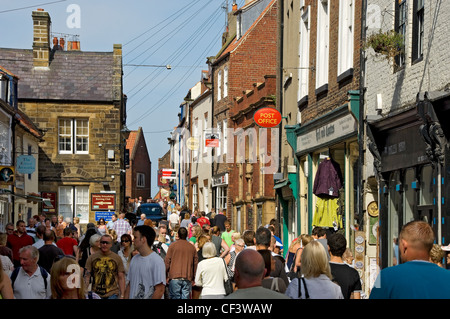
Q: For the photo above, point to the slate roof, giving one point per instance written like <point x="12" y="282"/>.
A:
<point x="72" y="75"/>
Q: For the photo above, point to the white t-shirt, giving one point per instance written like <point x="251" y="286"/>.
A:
<point x="211" y="274"/>
<point x="144" y="274"/>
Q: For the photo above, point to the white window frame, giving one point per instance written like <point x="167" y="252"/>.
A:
<point x="73" y="135"/>
<point x="73" y="201"/>
<point x="323" y="39"/>
<point x="194" y="196"/>
<point x="303" y="72"/>
<point x="225" y="82"/>
<point x="140" y="180"/>
<point x="225" y="136"/>
<point x="219" y="85"/>
<point x="221" y="197"/>
<point x="346" y="35"/>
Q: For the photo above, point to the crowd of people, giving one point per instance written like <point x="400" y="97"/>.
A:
<point x="199" y="256"/>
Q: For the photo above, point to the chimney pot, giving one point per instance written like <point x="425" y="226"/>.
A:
<point x="62" y="43"/>
<point x="40" y="9"/>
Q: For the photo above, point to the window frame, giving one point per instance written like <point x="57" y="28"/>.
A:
<point x="418" y="31"/>
<point x="73" y="136"/>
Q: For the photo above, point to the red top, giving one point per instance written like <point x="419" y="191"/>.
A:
<point x="15" y="242"/>
<point x="66" y="244"/>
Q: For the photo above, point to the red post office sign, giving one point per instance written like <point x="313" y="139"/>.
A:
<point x="267" y="117"/>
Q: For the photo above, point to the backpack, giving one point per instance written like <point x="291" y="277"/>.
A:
<point x="157" y="248"/>
<point x="44" y="274"/>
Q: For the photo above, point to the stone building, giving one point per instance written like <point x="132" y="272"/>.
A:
<point x="75" y="98"/>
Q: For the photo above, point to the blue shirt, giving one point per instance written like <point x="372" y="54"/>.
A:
<point x="412" y="280"/>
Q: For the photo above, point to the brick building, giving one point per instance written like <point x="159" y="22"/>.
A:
<point x="318" y="94"/>
<point x="248" y="54"/>
<point x="253" y="195"/>
<point x="75" y="98"/>
<point x="138" y="173"/>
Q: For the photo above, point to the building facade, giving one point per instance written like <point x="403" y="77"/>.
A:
<point x="76" y="99"/>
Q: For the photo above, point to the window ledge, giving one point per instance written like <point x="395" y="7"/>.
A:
<point x="322" y="90"/>
<point x="344" y="76"/>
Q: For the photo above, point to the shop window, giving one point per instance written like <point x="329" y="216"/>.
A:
<point x="427" y="186"/>
<point x="394" y="220"/>
<point x="409" y="196"/>
<point x="74" y="202"/>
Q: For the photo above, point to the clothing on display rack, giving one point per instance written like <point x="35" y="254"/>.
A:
<point x="328" y="180"/>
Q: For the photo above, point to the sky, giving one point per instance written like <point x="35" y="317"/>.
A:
<point x="154" y="34"/>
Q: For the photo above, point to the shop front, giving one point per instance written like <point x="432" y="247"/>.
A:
<point x="411" y="163"/>
<point x="327" y="154"/>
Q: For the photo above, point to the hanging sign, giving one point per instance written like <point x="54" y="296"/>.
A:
<point x="267" y="117"/>
<point x="26" y="164"/>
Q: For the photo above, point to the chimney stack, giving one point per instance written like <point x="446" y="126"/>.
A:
<point x="41" y="38"/>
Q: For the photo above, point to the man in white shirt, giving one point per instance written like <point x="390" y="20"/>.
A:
<point x="30" y="282"/>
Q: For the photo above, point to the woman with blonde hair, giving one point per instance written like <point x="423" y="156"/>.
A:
<point x="66" y="281"/>
<point x="315" y="276"/>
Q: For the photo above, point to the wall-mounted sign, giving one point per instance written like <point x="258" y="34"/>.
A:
<point x="212" y="139"/>
<point x="105" y="215"/>
<point x="6" y="175"/>
<point x="103" y="201"/>
<point x="267" y="117"/>
<point x="49" y="206"/>
<point x="26" y="164"/>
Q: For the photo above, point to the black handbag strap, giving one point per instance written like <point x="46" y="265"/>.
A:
<point x="300" y="280"/>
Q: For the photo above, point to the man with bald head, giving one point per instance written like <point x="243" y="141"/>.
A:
<point x="416" y="277"/>
<point x="248" y="275"/>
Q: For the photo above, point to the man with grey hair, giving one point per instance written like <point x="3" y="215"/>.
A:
<point x="30" y="281"/>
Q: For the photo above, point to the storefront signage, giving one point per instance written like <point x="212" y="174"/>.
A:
<point x="6" y="175"/>
<point x="220" y="180"/>
<point x="105" y="215"/>
<point x="50" y="205"/>
<point x="267" y="117"/>
<point x="168" y="173"/>
<point x="103" y="201"/>
<point x="327" y="133"/>
<point x="26" y="164"/>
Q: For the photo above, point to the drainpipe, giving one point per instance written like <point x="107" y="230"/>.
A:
<point x="361" y="134"/>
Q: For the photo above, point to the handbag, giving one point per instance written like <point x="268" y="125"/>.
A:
<point x="228" y="283"/>
<point x="300" y="280"/>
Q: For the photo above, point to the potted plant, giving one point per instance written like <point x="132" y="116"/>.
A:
<point x="389" y="44"/>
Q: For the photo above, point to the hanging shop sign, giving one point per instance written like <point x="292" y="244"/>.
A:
<point x="168" y="173"/>
<point x="49" y="202"/>
<point x="7" y="175"/>
<point x="212" y="140"/>
<point x="267" y="117"/>
<point x="26" y="164"/>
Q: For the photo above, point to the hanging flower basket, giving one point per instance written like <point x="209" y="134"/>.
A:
<point x="388" y="44"/>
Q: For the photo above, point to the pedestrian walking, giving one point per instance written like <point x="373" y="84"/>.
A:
<point x="416" y="277"/>
<point x="147" y="274"/>
<point x="68" y="244"/>
<point x="344" y="275"/>
<point x="17" y="240"/>
<point x="249" y="274"/>
<point x="66" y="280"/>
<point x="315" y="281"/>
<point x="226" y="234"/>
<point x="269" y="282"/>
<point x="6" y="291"/>
<point x="211" y="273"/>
<point x="121" y="226"/>
<point x="29" y="280"/>
<point x="49" y="251"/>
<point x="106" y="270"/>
<point x="181" y="265"/>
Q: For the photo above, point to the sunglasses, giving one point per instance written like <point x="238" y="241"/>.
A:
<point x="125" y="241"/>
<point x="105" y="242"/>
